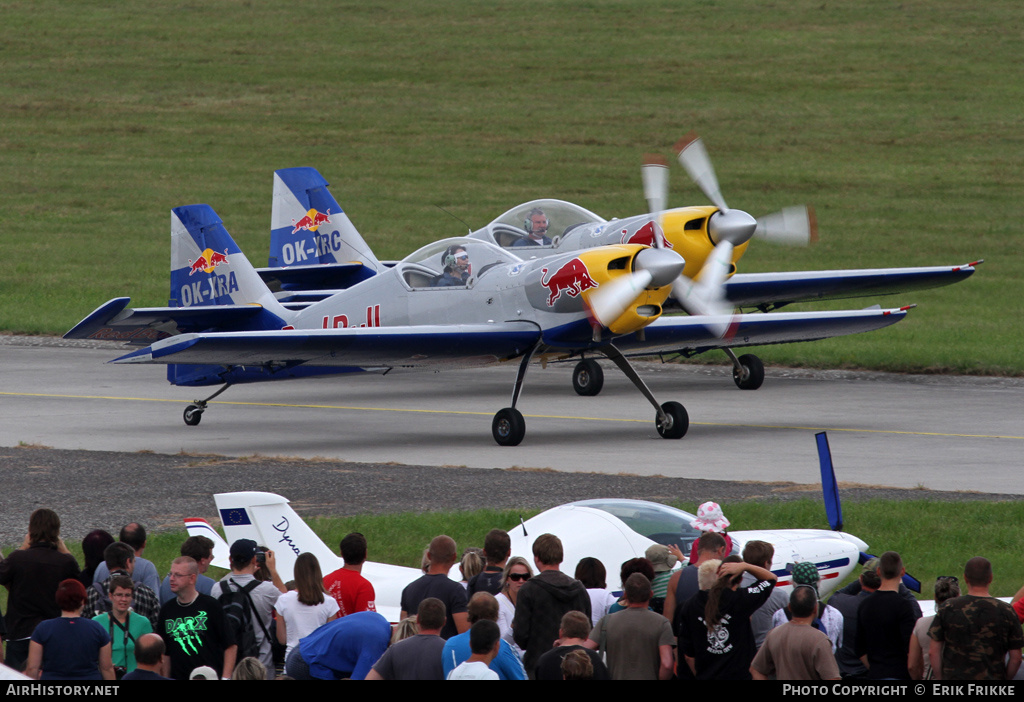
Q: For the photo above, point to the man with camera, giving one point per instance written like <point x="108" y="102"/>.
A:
<point x="259" y="596"/>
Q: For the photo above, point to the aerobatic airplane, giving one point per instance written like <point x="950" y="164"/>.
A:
<point x="452" y="304"/>
<point x="612" y="530"/>
<point x="308" y="264"/>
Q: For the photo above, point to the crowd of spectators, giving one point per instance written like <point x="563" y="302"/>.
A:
<point x="719" y="617"/>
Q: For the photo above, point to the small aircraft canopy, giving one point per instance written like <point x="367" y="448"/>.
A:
<point x="424" y="267"/>
<point x="660" y="523"/>
<point x="562" y="216"/>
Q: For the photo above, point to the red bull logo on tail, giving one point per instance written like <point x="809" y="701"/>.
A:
<point x="573" y="278"/>
<point x="311" y="221"/>
<point x="646" y="235"/>
<point x="207" y="261"/>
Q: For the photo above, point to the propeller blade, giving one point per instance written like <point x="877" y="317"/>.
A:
<point x="706" y="295"/>
<point x="654" y="174"/>
<point x="608" y="302"/>
<point x="694" y="158"/>
<point x="793" y="226"/>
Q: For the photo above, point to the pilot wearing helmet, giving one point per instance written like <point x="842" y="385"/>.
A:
<point x="455" y="261"/>
<point x="536" y="226"/>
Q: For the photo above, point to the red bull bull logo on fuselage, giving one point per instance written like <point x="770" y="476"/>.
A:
<point x="646" y="235"/>
<point x="573" y="277"/>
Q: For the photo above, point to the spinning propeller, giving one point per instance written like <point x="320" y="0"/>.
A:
<point x="652" y="268"/>
<point x="727" y="228"/>
<point x="793" y="225"/>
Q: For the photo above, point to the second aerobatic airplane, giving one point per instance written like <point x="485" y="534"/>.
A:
<point x="455" y="303"/>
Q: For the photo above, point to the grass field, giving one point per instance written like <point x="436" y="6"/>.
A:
<point x="899" y="122"/>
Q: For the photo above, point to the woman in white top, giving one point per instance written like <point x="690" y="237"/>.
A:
<point x="517" y="571"/>
<point x="304" y="609"/>
<point x="591" y="572"/>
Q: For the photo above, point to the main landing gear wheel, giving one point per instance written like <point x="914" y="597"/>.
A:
<point x="587" y="378"/>
<point x="508" y="427"/>
<point x="677" y="424"/>
<point x="193" y="414"/>
<point x="752" y="375"/>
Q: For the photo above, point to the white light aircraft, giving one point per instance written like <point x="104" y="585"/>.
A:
<point x="612" y="530"/>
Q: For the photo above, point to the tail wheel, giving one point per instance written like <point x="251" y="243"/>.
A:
<point x="676" y="423"/>
<point x="508" y="427"/>
<point x="587" y="378"/>
<point x="752" y="374"/>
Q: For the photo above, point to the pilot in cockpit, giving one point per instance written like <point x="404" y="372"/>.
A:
<point x="536" y="226"/>
<point x="457" y="268"/>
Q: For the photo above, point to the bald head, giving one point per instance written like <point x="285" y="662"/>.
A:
<point x="482" y="605"/>
<point x="148" y="650"/>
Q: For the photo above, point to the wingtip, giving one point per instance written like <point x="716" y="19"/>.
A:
<point x="655" y="160"/>
<point x="685" y="141"/>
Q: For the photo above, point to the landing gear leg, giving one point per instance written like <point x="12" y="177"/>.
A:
<point x="672" y="420"/>
<point x="194" y="413"/>
<point x="508" y="427"/>
<point x="747" y="370"/>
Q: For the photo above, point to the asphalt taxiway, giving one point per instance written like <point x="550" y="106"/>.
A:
<point x="940" y="432"/>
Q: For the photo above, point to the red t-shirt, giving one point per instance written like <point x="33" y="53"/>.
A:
<point x="1018" y="607"/>
<point x="353" y="592"/>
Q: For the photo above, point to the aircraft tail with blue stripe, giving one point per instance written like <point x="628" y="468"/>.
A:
<point x="213" y="288"/>
<point x="313" y="244"/>
<point x="208" y="269"/>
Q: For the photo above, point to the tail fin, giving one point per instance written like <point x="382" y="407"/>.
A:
<point x="308" y="225"/>
<point x="270" y="521"/>
<point x="829" y="485"/>
<point x="208" y="268"/>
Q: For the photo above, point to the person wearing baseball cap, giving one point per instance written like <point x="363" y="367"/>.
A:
<point x="664" y="559"/>
<point x="827" y="618"/>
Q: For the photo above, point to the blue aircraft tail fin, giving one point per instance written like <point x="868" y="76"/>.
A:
<point x="308" y="226"/>
<point x="829" y="485"/>
<point x="208" y="268"/>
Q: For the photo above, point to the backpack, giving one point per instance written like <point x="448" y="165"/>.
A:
<point x="239" y="613"/>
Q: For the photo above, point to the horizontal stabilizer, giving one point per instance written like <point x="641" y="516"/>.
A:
<point x="778" y="289"/>
<point x="315" y="277"/>
<point x="221" y="550"/>
<point x="115" y="321"/>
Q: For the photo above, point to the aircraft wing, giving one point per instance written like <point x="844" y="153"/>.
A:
<point x="462" y="345"/>
<point x="115" y="321"/>
<point x="778" y="289"/>
<point x="678" y="333"/>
